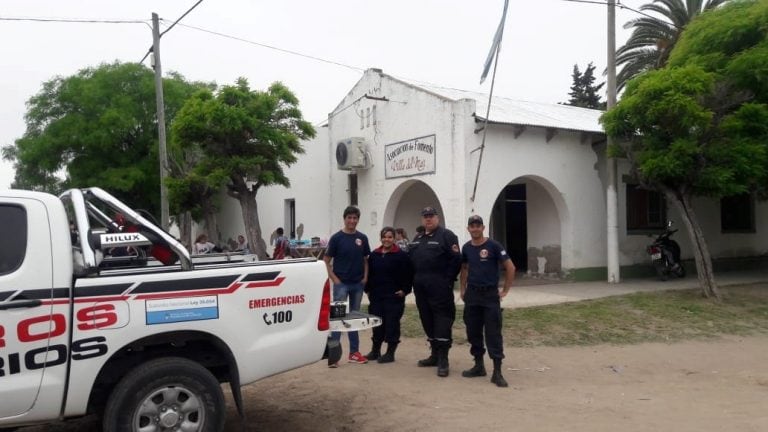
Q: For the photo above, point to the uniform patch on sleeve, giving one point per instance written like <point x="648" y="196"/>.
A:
<point x="455" y="248"/>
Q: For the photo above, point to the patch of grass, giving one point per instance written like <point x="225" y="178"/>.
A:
<point x="665" y="316"/>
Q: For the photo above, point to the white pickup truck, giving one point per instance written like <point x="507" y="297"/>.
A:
<point x="103" y="312"/>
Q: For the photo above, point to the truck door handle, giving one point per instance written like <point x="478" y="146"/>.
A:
<point x="20" y="304"/>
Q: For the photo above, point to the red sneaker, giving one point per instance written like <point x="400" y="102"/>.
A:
<point x="356" y="357"/>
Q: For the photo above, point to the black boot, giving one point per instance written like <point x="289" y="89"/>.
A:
<point x="497" y="378"/>
<point x="478" y="370"/>
<point x="389" y="356"/>
<point x="429" y="361"/>
<point x="375" y="351"/>
<point x="442" y="362"/>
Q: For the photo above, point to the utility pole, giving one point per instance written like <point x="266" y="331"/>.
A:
<point x="612" y="210"/>
<point x="162" y="153"/>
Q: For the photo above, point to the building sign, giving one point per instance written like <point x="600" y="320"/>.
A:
<point x="410" y="158"/>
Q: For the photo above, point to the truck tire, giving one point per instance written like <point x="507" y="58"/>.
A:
<point x="166" y="394"/>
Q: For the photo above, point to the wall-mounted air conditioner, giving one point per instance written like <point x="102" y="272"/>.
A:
<point x="352" y="153"/>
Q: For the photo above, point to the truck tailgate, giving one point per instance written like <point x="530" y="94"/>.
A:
<point x="354" y="321"/>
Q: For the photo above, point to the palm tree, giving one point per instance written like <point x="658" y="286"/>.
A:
<point x="652" y="39"/>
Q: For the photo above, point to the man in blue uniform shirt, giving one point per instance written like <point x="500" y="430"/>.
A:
<point x="481" y="258"/>
<point x="346" y="260"/>
<point x="436" y="262"/>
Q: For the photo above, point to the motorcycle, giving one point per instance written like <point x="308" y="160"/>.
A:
<point x="665" y="255"/>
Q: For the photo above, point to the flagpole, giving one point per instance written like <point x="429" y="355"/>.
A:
<point x="485" y="126"/>
<point x="493" y="55"/>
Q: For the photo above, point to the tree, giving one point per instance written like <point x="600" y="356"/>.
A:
<point x="193" y="194"/>
<point x="699" y="127"/>
<point x="584" y="92"/>
<point x="97" y="128"/>
<point x="653" y="39"/>
<point x="248" y="136"/>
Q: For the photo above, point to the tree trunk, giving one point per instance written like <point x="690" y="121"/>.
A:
<point x="209" y="216"/>
<point x="700" y="250"/>
<point x="185" y="229"/>
<point x="247" y="199"/>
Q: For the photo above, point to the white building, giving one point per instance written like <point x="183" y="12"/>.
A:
<point x="541" y="185"/>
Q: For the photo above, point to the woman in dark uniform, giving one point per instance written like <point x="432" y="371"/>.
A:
<point x="389" y="281"/>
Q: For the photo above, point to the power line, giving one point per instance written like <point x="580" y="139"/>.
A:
<point x="621" y="6"/>
<point x="355" y="68"/>
<point x="180" y="18"/>
<point x="74" y="20"/>
<point x="602" y="3"/>
<point x="169" y="28"/>
<point x="149" y="51"/>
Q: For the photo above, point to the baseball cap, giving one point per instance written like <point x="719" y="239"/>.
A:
<point x="428" y="211"/>
<point x="475" y="219"/>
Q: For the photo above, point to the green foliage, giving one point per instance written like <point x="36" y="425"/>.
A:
<point x="242" y="133"/>
<point x="194" y="192"/>
<point x="698" y="126"/>
<point x="664" y="316"/>
<point x="97" y="128"/>
<point x="733" y="44"/>
<point x="714" y="38"/>
<point x="653" y="39"/>
<point x="240" y="138"/>
<point x="584" y="92"/>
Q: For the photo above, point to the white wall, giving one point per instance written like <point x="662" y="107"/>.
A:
<point x="565" y="178"/>
<point x="565" y="163"/>
<point x="543" y="221"/>
<point x="408" y="213"/>
<point x="309" y="177"/>
<point x="721" y="245"/>
<point x="410" y="113"/>
<point x="565" y="166"/>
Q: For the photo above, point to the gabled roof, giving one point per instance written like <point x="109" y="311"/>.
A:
<point x="524" y="113"/>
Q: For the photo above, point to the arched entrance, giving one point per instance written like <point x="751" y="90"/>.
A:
<point x="406" y="202"/>
<point x="526" y="218"/>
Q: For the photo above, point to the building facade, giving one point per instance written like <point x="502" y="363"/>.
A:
<point x="393" y="147"/>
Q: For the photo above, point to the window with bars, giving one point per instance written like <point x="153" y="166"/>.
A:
<point x="737" y="214"/>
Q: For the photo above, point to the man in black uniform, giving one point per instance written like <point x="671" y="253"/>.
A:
<point x="481" y="258"/>
<point x="436" y="263"/>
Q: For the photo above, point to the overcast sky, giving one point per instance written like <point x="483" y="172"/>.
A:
<point x="441" y="42"/>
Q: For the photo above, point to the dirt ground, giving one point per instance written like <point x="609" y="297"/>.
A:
<point x="697" y="386"/>
<point x="691" y="386"/>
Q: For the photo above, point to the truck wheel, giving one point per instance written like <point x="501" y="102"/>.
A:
<point x="166" y="394"/>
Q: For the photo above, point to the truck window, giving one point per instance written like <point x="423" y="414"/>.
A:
<point x="13" y="231"/>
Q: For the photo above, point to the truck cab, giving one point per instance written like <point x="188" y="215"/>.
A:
<point x="142" y="338"/>
<point x="33" y="324"/>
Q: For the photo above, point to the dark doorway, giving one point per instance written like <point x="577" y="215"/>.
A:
<point x="516" y="225"/>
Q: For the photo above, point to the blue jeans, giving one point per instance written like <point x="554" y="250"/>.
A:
<point x="355" y="293"/>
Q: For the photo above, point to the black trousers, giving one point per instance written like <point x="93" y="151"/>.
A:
<point x="482" y="311"/>
<point x="390" y="311"/>
<point x="437" y="309"/>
